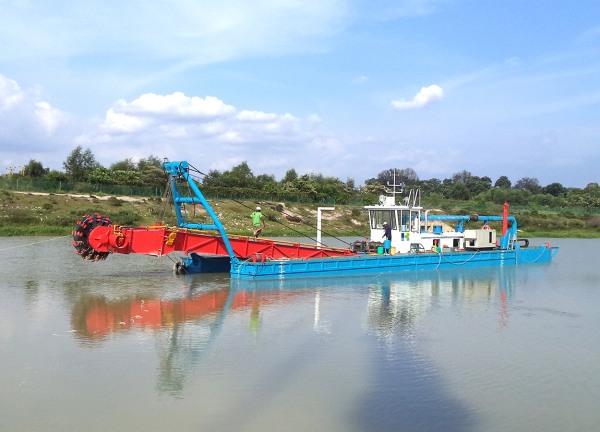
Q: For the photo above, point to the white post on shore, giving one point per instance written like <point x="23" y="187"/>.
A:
<point x="319" y="209"/>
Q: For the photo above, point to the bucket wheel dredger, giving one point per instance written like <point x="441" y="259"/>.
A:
<point x="81" y="235"/>
<point x="95" y="237"/>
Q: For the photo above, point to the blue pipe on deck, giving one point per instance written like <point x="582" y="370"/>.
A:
<point x="511" y="233"/>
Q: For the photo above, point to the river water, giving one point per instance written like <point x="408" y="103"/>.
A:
<point x="124" y="345"/>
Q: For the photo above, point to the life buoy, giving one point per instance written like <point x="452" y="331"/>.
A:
<point x="486" y="227"/>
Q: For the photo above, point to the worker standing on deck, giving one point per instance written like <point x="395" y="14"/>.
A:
<point x="258" y="222"/>
<point x="387" y="234"/>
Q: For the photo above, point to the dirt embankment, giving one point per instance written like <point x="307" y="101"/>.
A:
<point x="90" y="197"/>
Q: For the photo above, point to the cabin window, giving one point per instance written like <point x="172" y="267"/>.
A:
<point x="378" y="217"/>
<point x="404" y="218"/>
<point x="414" y="219"/>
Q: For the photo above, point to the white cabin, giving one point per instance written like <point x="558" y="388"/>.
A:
<point x="411" y="229"/>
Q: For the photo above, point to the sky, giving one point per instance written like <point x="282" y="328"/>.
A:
<point x="342" y="88"/>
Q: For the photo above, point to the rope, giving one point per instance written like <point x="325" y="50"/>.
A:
<point x="280" y="223"/>
<point x="441" y="255"/>
<point x="324" y="232"/>
<point x="439" y="260"/>
<point x="202" y="175"/>
<point x="535" y="260"/>
<point x="34" y="243"/>
<point x="194" y="169"/>
<point x="167" y="201"/>
<point x="294" y="230"/>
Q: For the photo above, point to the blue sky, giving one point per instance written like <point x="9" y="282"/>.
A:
<point x="342" y="88"/>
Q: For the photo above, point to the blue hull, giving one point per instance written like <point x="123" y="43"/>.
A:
<point x="195" y="263"/>
<point x="383" y="264"/>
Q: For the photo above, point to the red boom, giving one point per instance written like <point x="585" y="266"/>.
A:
<point x="161" y="240"/>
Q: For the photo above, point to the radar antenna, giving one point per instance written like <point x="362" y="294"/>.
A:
<point x="397" y="188"/>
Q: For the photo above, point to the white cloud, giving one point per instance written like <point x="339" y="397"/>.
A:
<point x="360" y="79"/>
<point x="190" y="32"/>
<point x="28" y="124"/>
<point x="178" y="126"/>
<point x="190" y="116"/>
<point x="30" y="127"/>
<point x="48" y="116"/>
<point x="426" y="96"/>
<point x="119" y="122"/>
<point x="176" y="104"/>
<point x="314" y="118"/>
<point x="165" y="112"/>
<point x="10" y="93"/>
<point x="255" y="116"/>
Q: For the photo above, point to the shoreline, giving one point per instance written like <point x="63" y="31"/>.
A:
<point x="49" y="231"/>
<point x="49" y="214"/>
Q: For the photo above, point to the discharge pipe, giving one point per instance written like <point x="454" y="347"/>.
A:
<point x="505" y="219"/>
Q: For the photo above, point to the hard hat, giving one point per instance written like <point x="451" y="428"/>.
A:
<point x="257" y="208"/>
<point x="385" y="223"/>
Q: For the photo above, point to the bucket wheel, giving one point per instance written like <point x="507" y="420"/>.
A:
<point x="81" y="234"/>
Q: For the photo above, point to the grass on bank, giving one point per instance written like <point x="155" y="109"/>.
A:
<point x="30" y="214"/>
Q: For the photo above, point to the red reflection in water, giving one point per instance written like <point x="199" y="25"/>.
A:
<point x="96" y="317"/>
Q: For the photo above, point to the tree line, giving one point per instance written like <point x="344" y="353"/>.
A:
<point x="240" y="181"/>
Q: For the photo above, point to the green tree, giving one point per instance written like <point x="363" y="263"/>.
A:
<point x="56" y="176"/>
<point x="477" y="185"/>
<point x="502" y="195"/>
<point x="463" y="185"/>
<point x="305" y="185"/>
<point x="544" y="200"/>
<point x="290" y="176"/>
<point x="241" y="176"/>
<point x="265" y="181"/>
<point x="350" y="184"/>
<point x="127" y="177"/>
<point x="592" y="187"/>
<point x="555" y="189"/>
<point x="373" y="187"/>
<point x="530" y="184"/>
<point x="503" y="182"/>
<point x="79" y="163"/>
<point x="150" y="161"/>
<point x="153" y="176"/>
<point x="431" y="186"/>
<point x="101" y="175"/>
<point x="458" y="191"/>
<point x="408" y="176"/>
<point x="34" y="169"/>
<point x="213" y="179"/>
<point x="463" y="177"/>
<point x="124" y="165"/>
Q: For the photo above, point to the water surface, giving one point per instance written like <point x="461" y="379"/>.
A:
<point x="126" y="345"/>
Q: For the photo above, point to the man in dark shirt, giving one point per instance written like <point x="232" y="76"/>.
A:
<point x="387" y="233"/>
